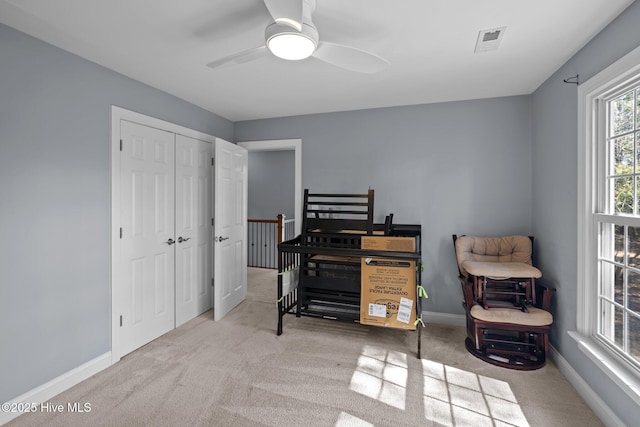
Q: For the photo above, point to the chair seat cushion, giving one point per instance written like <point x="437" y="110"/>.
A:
<point x="535" y="316"/>
<point x="501" y="270"/>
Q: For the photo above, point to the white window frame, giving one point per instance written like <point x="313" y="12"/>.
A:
<point x="591" y="96"/>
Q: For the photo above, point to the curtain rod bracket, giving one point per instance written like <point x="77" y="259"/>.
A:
<point x="573" y="79"/>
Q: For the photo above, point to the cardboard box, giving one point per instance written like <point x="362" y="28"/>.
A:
<point x="388" y="286"/>
<point x="388" y="243"/>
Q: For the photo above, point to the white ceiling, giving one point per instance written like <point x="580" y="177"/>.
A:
<point x="429" y="43"/>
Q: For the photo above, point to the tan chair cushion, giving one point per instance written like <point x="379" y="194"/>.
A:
<point x="501" y="270"/>
<point x="493" y="249"/>
<point x="535" y="316"/>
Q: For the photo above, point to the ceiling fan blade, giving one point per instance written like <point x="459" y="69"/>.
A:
<point x="210" y="25"/>
<point x="350" y="58"/>
<point x="240" y="57"/>
<point x="286" y="12"/>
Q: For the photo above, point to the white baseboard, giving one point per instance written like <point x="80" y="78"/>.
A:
<point x="444" y="318"/>
<point x="597" y="405"/>
<point x="57" y="385"/>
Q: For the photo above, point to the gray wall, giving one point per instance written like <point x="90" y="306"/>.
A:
<point x="555" y="136"/>
<point x="55" y="302"/>
<point x="460" y="167"/>
<point x="271" y="184"/>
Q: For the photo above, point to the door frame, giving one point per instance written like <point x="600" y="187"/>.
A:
<point x="118" y="114"/>
<point x="285" y="145"/>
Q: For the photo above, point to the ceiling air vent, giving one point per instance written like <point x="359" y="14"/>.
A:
<point x="489" y="39"/>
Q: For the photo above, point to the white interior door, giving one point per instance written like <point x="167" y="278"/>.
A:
<point x="147" y="230"/>
<point x="193" y="228"/>
<point x="230" y="226"/>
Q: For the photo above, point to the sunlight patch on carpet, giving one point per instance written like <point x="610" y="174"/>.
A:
<point x="451" y="396"/>
<point x="348" y="420"/>
<point x="381" y="375"/>
<point x="456" y="397"/>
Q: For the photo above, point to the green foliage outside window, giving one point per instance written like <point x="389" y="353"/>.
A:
<point x="623" y="190"/>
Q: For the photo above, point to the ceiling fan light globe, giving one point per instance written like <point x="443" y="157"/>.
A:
<point x="288" y="43"/>
<point x="291" y="46"/>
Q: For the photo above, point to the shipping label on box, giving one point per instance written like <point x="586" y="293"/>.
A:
<point x="388" y="293"/>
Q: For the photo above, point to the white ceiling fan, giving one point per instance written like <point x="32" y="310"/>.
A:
<point x="293" y="36"/>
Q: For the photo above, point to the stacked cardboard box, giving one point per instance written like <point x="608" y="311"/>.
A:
<point x="388" y="286"/>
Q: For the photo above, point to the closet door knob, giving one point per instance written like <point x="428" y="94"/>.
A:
<point x="180" y="239"/>
<point x="170" y="242"/>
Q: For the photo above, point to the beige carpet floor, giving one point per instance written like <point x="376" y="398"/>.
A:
<point x="237" y="372"/>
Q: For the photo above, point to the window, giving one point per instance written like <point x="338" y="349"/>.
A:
<point x="617" y="219"/>
<point x="609" y="222"/>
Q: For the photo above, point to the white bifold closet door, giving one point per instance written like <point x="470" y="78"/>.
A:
<point x="230" y="226"/>
<point x="193" y="228"/>
<point x="166" y="244"/>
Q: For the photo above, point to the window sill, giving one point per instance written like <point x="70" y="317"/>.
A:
<point x="610" y="366"/>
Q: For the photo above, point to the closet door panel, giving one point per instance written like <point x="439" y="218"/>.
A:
<point x="147" y="221"/>
<point x="193" y="228"/>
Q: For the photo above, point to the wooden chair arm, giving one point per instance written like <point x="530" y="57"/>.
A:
<point x="545" y="291"/>
<point x="467" y="291"/>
